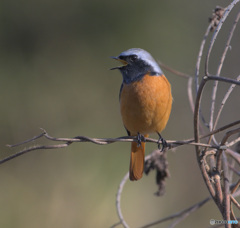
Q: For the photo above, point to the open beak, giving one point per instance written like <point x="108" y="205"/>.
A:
<point x="124" y="63"/>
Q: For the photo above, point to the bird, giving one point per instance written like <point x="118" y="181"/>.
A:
<point x="145" y="102"/>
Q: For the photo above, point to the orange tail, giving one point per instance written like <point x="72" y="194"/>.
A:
<point x="137" y="161"/>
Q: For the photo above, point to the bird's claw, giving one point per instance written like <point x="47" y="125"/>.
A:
<point x="140" y="139"/>
<point x="163" y="142"/>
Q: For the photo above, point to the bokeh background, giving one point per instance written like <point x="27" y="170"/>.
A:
<point x="54" y="74"/>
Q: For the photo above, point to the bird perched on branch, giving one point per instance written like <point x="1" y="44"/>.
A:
<point x="145" y="102"/>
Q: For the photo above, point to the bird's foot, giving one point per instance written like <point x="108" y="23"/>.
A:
<point x="140" y="138"/>
<point x="163" y="142"/>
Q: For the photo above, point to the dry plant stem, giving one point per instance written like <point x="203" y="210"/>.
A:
<point x="118" y="198"/>
<point x="215" y="34"/>
<point x="217" y="192"/>
<point x="221" y="129"/>
<point x="226" y="203"/>
<point x="234" y="170"/>
<point x="33" y="148"/>
<point x="226" y="13"/>
<point x="184" y="213"/>
<point x="231" y="163"/>
<point x="28" y="140"/>
<point x="118" y="201"/>
<point x="197" y="138"/>
<point x="223" y="79"/>
<point x="214" y="92"/>
<point x="200" y="56"/>
<point x="223" y="142"/>
<point x="176" y="72"/>
<point x="228" y="44"/>
<point x="223" y="103"/>
<point x="181" y="215"/>
<point x="233" y="142"/>
<point x="197" y="70"/>
<point x="236" y="156"/>
<point x="190" y="94"/>
<point x="207" y="135"/>
<point x="235" y="202"/>
<point x="234" y="189"/>
<point x="69" y="141"/>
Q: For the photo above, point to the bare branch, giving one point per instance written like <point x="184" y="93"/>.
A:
<point x="190" y="94"/>
<point x="223" y="79"/>
<point x="235" y="202"/>
<point x="200" y="57"/>
<point x="215" y="86"/>
<point x="223" y="142"/>
<point x="223" y="103"/>
<point x="181" y="215"/>
<point x="176" y="72"/>
<point x="226" y="203"/>
<point x="105" y="141"/>
<point x="118" y="200"/>
<point x="215" y="34"/>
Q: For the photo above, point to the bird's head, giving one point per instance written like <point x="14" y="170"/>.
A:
<point x="136" y="63"/>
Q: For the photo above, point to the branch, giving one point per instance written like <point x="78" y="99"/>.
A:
<point x="215" y="86"/>
<point x="104" y="141"/>
<point x="118" y="202"/>
<point x="228" y="80"/>
<point x="215" y="34"/>
<point x="180" y="215"/>
<point x="215" y="193"/>
<point x="226" y="203"/>
<point x="226" y="96"/>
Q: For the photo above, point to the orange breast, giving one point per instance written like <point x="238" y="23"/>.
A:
<point x="146" y="104"/>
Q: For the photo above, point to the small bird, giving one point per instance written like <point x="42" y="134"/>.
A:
<point x="145" y="102"/>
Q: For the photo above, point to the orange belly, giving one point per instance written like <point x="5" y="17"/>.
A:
<point x="146" y="104"/>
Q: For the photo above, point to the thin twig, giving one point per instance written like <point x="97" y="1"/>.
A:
<point x="233" y="142"/>
<point x="181" y="215"/>
<point x="215" y="34"/>
<point x="223" y="104"/>
<point x="215" y="86"/>
<point x="176" y="72"/>
<point x="27" y="141"/>
<point x="234" y="155"/>
<point x="33" y="148"/>
<point x="226" y="202"/>
<point x="223" y="142"/>
<point x="197" y="138"/>
<point x="235" y="202"/>
<point x="184" y="213"/>
<point x="190" y="94"/>
<point x="105" y="141"/>
<point x="118" y="200"/>
<point x="223" y="79"/>
<point x="197" y="70"/>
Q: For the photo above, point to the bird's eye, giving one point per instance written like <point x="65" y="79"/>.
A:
<point x="133" y="58"/>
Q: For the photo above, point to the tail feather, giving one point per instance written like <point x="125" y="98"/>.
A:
<point x="137" y="161"/>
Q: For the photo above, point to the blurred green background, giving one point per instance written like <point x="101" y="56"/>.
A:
<point x="55" y="75"/>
